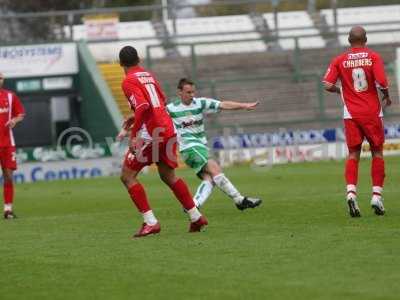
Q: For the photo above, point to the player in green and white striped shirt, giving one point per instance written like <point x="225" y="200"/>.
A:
<point x="188" y="116"/>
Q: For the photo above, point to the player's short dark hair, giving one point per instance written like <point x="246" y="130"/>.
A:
<point x="184" y="81"/>
<point x="357" y="34"/>
<point x="128" y="57"/>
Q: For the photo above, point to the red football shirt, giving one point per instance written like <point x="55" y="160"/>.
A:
<point x="143" y="90"/>
<point x="10" y="107"/>
<point x="360" y="71"/>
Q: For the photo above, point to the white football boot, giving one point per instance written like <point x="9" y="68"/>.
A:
<point x="354" y="210"/>
<point x="377" y="205"/>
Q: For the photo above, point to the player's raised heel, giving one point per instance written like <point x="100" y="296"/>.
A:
<point x="9" y="215"/>
<point x="248" y="202"/>
<point x="377" y="206"/>
<point x="354" y="210"/>
<point x="147" y="230"/>
<point x="198" y="225"/>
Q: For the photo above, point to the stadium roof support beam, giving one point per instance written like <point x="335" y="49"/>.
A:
<point x="335" y="19"/>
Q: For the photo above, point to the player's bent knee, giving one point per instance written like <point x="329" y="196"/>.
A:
<point x="128" y="177"/>
<point x="163" y="177"/>
<point x="377" y="152"/>
<point x="167" y="174"/>
<point x="205" y="176"/>
<point x="8" y="175"/>
<point x="169" y="179"/>
<point x="125" y="180"/>
<point x="354" y="152"/>
<point x="213" y="168"/>
<point x="8" y="179"/>
<point x="355" y="156"/>
<point x="122" y="178"/>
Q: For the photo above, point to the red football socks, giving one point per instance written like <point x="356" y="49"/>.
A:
<point x="378" y="171"/>
<point x="351" y="172"/>
<point x="138" y="196"/>
<point x="8" y="192"/>
<point x="183" y="194"/>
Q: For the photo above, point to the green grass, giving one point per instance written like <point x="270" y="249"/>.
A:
<point x="72" y="240"/>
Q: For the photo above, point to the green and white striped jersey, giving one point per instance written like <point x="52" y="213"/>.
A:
<point x="189" y="120"/>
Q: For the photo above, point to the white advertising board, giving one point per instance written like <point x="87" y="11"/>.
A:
<point x="299" y="153"/>
<point x="38" y="60"/>
<point x="101" y="27"/>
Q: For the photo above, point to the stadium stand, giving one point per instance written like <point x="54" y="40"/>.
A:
<point x="217" y="67"/>
<point x="295" y="23"/>
<point x="106" y="52"/>
<point x="216" y="30"/>
<point x="140" y="33"/>
<point x="379" y="15"/>
<point x="285" y="79"/>
<point x="229" y="71"/>
<point x="213" y="29"/>
<point x="267" y="77"/>
<point x="113" y="74"/>
<point x="126" y="30"/>
<point x="209" y="30"/>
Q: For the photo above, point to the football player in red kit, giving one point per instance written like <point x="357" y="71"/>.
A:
<point x="361" y="73"/>
<point x="11" y="113"/>
<point x="152" y="140"/>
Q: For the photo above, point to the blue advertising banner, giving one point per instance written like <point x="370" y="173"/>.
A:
<point x="288" y="138"/>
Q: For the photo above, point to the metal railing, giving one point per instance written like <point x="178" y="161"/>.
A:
<point x="320" y="108"/>
<point x="298" y="75"/>
<point x="297" y="52"/>
<point x="70" y="18"/>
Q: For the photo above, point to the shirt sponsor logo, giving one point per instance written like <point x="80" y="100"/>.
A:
<point x="190" y="123"/>
<point x="145" y="78"/>
<point x="4" y="110"/>
<point x="357" y="55"/>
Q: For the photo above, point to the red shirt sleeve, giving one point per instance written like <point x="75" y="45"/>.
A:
<point x="134" y="94"/>
<point x="17" y="107"/>
<point x="138" y="103"/>
<point x="332" y="73"/>
<point x="139" y="119"/>
<point x="160" y="91"/>
<point x="378" y="69"/>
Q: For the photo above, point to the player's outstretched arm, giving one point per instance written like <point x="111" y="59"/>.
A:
<point x="233" y="105"/>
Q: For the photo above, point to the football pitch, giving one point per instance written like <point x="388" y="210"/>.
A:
<point x="72" y="240"/>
